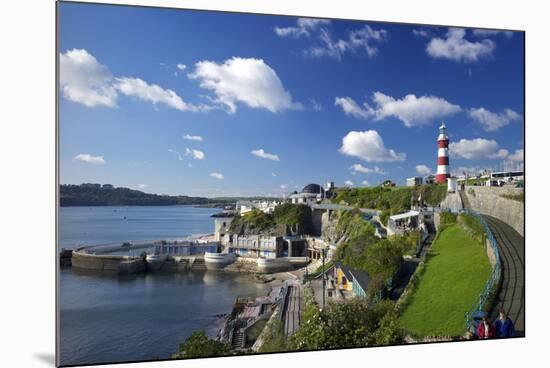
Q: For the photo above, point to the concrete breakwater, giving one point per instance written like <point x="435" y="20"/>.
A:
<point x="89" y="258"/>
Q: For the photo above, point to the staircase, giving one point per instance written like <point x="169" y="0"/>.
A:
<point x="464" y="198"/>
<point x="198" y="265"/>
<point x="237" y="342"/>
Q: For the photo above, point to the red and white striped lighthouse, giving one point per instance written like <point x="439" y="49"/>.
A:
<point x="442" y="156"/>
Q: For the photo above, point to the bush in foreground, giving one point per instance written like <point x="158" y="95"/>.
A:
<point x="199" y="345"/>
<point x="354" y="323"/>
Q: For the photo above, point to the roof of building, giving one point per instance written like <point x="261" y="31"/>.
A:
<point x="303" y="195"/>
<point x="404" y="215"/>
<point x="361" y="277"/>
<point x="313" y="188"/>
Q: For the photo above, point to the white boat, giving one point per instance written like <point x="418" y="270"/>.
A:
<point x="218" y="260"/>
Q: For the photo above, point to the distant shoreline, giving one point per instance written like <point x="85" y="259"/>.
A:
<point x="102" y="195"/>
<point x="214" y="205"/>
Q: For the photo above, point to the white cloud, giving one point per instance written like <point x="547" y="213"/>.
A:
<point x="351" y="108"/>
<point x="273" y="174"/>
<point x="284" y="186"/>
<point x="411" y="110"/>
<point x="263" y="154"/>
<point x="304" y="27"/>
<point x="86" y="157"/>
<point x="476" y="149"/>
<point x="196" y="154"/>
<point x="155" y="94"/>
<point x="491" y="32"/>
<point x="368" y="146"/>
<point x="421" y="33"/>
<point x="365" y="183"/>
<point x="217" y="175"/>
<point x="142" y="186"/>
<point x="181" y="67"/>
<point x="492" y="121"/>
<point x="455" y="47"/>
<point x="363" y="39"/>
<point x="189" y="137"/>
<point x="176" y="153"/>
<point x="249" y="81"/>
<point x="84" y="80"/>
<point x="348" y="183"/>
<point x="516" y="156"/>
<point x="316" y="106"/>
<point x="358" y="168"/>
<point x="423" y="170"/>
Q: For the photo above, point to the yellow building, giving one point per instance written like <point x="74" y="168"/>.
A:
<point x="351" y="280"/>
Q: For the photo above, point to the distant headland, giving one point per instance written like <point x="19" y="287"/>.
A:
<point x="91" y="194"/>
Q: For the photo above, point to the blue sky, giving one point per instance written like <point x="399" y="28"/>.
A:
<point x="212" y="104"/>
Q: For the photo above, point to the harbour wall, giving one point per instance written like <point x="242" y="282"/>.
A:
<point x="109" y="263"/>
<point x="489" y="201"/>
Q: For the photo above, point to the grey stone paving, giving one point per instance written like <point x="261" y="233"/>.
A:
<point x="292" y="309"/>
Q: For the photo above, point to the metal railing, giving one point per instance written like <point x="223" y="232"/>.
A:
<point x="493" y="280"/>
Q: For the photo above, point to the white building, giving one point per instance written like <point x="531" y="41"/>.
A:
<point x="398" y="224"/>
<point x="414" y="181"/>
<point x="264" y="206"/>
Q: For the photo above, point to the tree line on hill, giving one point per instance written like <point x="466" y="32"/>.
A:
<point x="89" y="194"/>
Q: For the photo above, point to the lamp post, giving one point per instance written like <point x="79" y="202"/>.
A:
<point x="323" y="253"/>
<point x="306" y="275"/>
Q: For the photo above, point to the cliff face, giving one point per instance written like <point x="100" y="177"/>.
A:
<point x="329" y="231"/>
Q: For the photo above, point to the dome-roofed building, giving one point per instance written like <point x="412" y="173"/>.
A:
<point x="313" y="189"/>
<point x="312" y="193"/>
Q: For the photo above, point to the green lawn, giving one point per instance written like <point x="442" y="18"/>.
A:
<point x="454" y="276"/>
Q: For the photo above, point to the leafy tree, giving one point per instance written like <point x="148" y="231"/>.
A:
<point x="406" y="242"/>
<point x="382" y="259"/>
<point x="350" y="324"/>
<point x="286" y="214"/>
<point x="199" y="345"/>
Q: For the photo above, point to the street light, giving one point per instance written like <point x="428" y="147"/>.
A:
<point x="324" y="253"/>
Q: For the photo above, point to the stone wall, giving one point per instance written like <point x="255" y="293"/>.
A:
<point x="488" y="201"/>
<point x="109" y="263"/>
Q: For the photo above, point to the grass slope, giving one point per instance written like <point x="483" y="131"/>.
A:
<point x="453" y="278"/>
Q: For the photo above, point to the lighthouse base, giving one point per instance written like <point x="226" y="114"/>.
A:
<point x="441" y="178"/>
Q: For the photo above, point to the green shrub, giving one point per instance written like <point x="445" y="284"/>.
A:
<point x="395" y="200"/>
<point x="275" y="341"/>
<point x="446" y="219"/>
<point x="384" y="216"/>
<point x="199" y="345"/>
<point x="353" y="323"/>
<point x="520" y="197"/>
<point x="473" y="227"/>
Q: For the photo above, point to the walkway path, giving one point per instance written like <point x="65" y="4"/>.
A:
<point x="291" y="311"/>
<point x="512" y="254"/>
